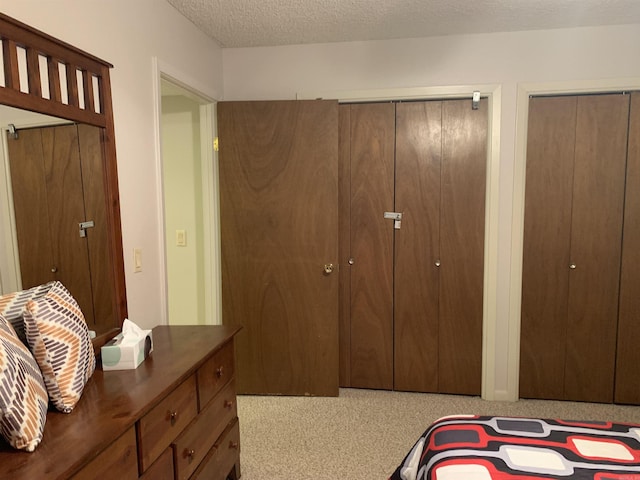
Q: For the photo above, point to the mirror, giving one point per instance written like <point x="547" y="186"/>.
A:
<point x="72" y="89"/>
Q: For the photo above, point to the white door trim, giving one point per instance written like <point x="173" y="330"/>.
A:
<point x="212" y="268"/>
<point x="494" y="93"/>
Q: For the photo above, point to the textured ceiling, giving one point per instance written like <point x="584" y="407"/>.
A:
<point x="249" y="23"/>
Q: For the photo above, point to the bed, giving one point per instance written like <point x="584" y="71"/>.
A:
<point x="467" y="447"/>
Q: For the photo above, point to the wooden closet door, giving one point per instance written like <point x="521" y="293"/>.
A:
<point x="547" y="231"/>
<point x="33" y="231"/>
<point x="90" y="143"/>
<point x="463" y="184"/>
<point x="278" y="165"/>
<point x="417" y="245"/>
<point x="372" y="190"/>
<point x="596" y="233"/>
<point x="344" y="247"/>
<point x="66" y="211"/>
<point x="49" y="208"/>
<point x="628" y="354"/>
<point x="569" y="320"/>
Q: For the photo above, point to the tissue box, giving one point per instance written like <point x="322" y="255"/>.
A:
<point x="122" y="354"/>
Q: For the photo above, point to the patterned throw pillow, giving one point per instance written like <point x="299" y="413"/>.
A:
<point x="23" y="396"/>
<point x="59" y="339"/>
<point x="12" y="306"/>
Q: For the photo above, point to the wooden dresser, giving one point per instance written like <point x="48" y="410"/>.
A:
<point x="174" y="417"/>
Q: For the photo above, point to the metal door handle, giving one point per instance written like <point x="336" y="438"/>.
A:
<point x="328" y="268"/>
<point x="572" y="266"/>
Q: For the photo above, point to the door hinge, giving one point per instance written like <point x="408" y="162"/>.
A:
<point x="216" y="144"/>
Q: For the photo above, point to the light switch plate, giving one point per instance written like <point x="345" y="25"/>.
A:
<point x="181" y="238"/>
<point x="137" y="260"/>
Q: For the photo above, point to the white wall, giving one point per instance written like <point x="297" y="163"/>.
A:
<point x="128" y="34"/>
<point x="565" y="56"/>
<point x="181" y="160"/>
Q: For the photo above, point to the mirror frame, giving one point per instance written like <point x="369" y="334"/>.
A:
<point x="84" y="103"/>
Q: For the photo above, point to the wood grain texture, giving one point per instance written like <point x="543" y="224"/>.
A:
<point x="28" y="180"/>
<point x="222" y="462"/>
<point x="117" y="461"/>
<point x="464" y="161"/>
<point x="58" y="53"/>
<point x="627" y="382"/>
<point x="278" y="166"/>
<point x="344" y="243"/>
<point x="90" y="144"/>
<point x="416" y="291"/>
<point x="157" y="429"/>
<point x="547" y="230"/>
<point x="596" y="232"/>
<point x="113" y="402"/>
<point x="162" y="468"/>
<point x="372" y="194"/>
<point x="66" y="210"/>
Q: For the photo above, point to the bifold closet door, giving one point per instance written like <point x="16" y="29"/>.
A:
<point x="574" y="204"/>
<point x="57" y="183"/>
<point x="547" y="229"/>
<point x="439" y="251"/>
<point x="372" y="145"/>
<point x="464" y="166"/>
<point x="628" y="353"/>
<point x="417" y="248"/>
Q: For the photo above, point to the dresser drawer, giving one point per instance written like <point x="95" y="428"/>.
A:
<point x="222" y="459"/>
<point x="119" y="461"/>
<point x="162" y="468"/>
<point x="191" y="447"/>
<point x="215" y="373"/>
<point x="158" y="428"/>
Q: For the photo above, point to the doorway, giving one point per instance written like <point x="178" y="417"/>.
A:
<point x="189" y="200"/>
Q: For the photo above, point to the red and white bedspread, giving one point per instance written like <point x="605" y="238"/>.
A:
<point x="510" y="448"/>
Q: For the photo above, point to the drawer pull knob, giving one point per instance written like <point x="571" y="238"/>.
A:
<point x="228" y="404"/>
<point x="173" y="417"/>
<point x="190" y="453"/>
<point x="233" y="445"/>
<point x="219" y="372"/>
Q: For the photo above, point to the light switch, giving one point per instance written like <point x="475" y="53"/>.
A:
<point x="137" y="260"/>
<point x="181" y="238"/>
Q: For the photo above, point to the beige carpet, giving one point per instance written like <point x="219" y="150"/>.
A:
<point x="364" y="434"/>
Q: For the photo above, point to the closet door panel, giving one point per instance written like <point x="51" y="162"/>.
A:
<point x="464" y="158"/>
<point x="66" y="211"/>
<point x="628" y="354"/>
<point x="344" y="244"/>
<point x="547" y="230"/>
<point x="28" y="179"/>
<point x="92" y="160"/>
<point x="372" y="194"/>
<point x="598" y="202"/>
<point x="418" y="168"/>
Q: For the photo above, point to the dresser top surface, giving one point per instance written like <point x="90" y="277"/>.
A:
<point x="113" y="401"/>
